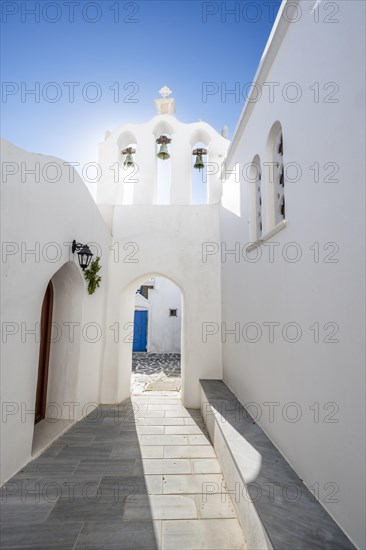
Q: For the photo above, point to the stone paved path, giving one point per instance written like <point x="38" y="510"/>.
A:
<point x="148" y="368"/>
<point x="130" y="476"/>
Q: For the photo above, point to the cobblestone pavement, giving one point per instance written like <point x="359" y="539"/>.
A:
<point x="152" y="363"/>
<point x="148" y="368"/>
<point x="127" y="477"/>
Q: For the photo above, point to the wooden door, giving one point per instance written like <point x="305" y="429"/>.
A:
<point x="44" y="354"/>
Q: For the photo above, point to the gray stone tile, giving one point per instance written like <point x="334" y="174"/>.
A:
<point x="49" y="466"/>
<point x="195" y="483"/>
<point x="40" y="536"/>
<point x="126" y="535"/>
<point x="189" y="451"/>
<point x="121" y="451"/>
<point x="166" y="407"/>
<point x="205" y="466"/>
<point x="85" y="452"/>
<point x="15" y="511"/>
<point x="97" y="431"/>
<point x="119" y="467"/>
<point x="161" y="507"/>
<point x="181" y="413"/>
<point x="129" y="437"/>
<point x="136" y="452"/>
<point x="150" y="430"/>
<point x="162" y="466"/>
<point x="50" y="488"/>
<point x="150" y="399"/>
<point x="198" y="440"/>
<point x="52" y="450"/>
<point x="185" y="430"/>
<point x="120" y="440"/>
<point x="154" y="484"/>
<point x="120" y="487"/>
<point x="207" y="533"/>
<point x="164" y="440"/>
<point x="217" y="506"/>
<point x="81" y="509"/>
<point x="72" y="439"/>
<point x="152" y="451"/>
<point x="194" y="422"/>
<point x="164" y="421"/>
<point x="124" y="479"/>
<point x="150" y="414"/>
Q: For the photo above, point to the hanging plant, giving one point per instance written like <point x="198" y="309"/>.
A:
<point x="91" y="275"/>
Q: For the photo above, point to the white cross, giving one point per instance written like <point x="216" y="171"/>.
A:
<point x="165" y="92"/>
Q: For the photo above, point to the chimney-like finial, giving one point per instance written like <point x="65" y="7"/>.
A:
<point x="166" y="105"/>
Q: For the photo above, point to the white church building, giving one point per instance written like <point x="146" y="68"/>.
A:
<point x="266" y="278"/>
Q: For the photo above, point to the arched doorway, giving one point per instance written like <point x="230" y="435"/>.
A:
<point x="58" y="366"/>
<point x="44" y="354"/>
<point x="157" y="335"/>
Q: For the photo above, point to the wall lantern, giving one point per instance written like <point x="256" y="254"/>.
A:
<point x="163" y="151"/>
<point x="199" y="164"/>
<point x="129" y="160"/>
<point x="84" y="254"/>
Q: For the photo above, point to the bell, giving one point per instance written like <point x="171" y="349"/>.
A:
<point x="163" y="152"/>
<point x="128" y="161"/>
<point x="199" y="165"/>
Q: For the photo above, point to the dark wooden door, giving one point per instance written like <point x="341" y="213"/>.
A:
<point x="44" y="354"/>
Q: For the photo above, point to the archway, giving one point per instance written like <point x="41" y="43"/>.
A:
<point x="199" y="176"/>
<point x="44" y="354"/>
<point x="156" y="345"/>
<point x="127" y="308"/>
<point x="61" y="316"/>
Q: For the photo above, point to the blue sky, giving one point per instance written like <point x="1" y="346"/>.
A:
<point x="147" y="43"/>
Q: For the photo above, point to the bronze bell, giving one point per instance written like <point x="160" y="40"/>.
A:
<point x="163" y="153"/>
<point x="129" y="160"/>
<point x="199" y="164"/>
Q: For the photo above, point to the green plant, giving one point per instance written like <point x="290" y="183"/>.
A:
<point x="91" y="275"/>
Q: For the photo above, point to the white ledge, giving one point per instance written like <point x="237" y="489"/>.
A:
<point x="267" y="236"/>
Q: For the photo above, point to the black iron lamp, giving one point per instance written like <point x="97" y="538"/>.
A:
<point x="84" y="254"/>
<point x="199" y="164"/>
<point x="163" y="153"/>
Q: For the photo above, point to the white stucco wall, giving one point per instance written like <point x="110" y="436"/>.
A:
<point x="152" y="240"/>
<point x="163" y="241"/>
<point x="45" y="216"/>
<point x="139" y="184"/>
<point x="328" y="376"/>
<point x="165" y="331"/>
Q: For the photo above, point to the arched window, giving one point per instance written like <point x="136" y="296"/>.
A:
<point x="279" y="182"/>
<point x="126" y="172"/>
<point x="255" y="201"/>
<point x="274" y="176"/>
<point x="199" y="174"/>
<point x="257" y="180"/>
<point x="164" y="171"/>
<point x="163" y="165"/>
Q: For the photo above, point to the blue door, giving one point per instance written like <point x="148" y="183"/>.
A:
<point x="140" y="331"/>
